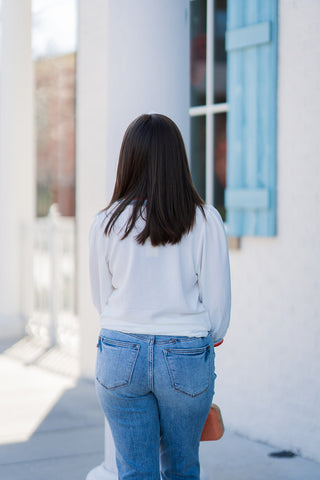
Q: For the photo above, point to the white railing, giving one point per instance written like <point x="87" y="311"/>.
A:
<point x="54" y="318"/>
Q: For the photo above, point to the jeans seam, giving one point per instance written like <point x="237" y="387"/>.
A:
<point x="150" y="364"/>
<point x="187" y="351"/>
<point x="120" y="343"/>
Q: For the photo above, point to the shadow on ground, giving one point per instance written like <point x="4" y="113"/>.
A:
<point x="51" y="423"/>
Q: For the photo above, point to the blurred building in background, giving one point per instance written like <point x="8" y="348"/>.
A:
<point x="240" y="78"/>
<point x="55" y="133"/>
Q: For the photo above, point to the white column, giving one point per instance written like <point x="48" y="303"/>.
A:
<point x="17" y="172"/>
<point x="133" y="58"/>
<point x="92" y="167"/>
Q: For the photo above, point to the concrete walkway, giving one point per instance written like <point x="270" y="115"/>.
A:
<point x="52" y="427"/>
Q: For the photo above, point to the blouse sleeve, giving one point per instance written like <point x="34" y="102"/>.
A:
<point x="214" y="277"/>
<point x="100" y="277"/>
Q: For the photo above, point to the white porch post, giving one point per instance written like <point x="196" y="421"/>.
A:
<point x="133" y="58"/>
<point x="17" y="172"/>
<point x="92" y="167"/>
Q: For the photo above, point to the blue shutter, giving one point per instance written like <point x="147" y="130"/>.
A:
<point x="251" y="44"/>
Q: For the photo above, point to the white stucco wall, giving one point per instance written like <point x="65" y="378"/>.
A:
<point x="133" y="58"/>
<point x="270" y="384"/>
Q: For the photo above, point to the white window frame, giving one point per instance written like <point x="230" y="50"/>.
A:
<point x="210" y="108"/>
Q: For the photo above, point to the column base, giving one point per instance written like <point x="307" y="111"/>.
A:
<point x="203" y="475"/>
<point x="101" y="473"/>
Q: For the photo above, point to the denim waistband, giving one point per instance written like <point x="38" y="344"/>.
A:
<point x="155" y="339"/>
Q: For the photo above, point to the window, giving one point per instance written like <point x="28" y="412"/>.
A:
<point x="208" y="100"/>
<point x="234" y="81"/>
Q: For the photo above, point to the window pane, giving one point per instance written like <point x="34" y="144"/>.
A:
<point x="220" y="157"/>
<point x="198" y="18"/>
<point x="220" y="57"/>
<point x="198" y="148"/>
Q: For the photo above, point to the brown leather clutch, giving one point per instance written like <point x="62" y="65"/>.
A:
<point x="213" y="428"/>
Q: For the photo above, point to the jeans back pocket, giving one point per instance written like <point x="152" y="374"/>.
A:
<point x="189" y="369"/>
<point x="115" y="362"/>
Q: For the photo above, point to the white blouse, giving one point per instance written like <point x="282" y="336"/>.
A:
<point x="181" y="289"/>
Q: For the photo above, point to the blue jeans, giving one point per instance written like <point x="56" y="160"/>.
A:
<point x="156" y="392"/>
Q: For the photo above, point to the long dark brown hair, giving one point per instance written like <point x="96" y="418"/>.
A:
<point x="154" y="176"/>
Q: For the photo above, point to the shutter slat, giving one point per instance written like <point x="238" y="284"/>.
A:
<point x="250" y="36"/>
<point x="254" y="199"/>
